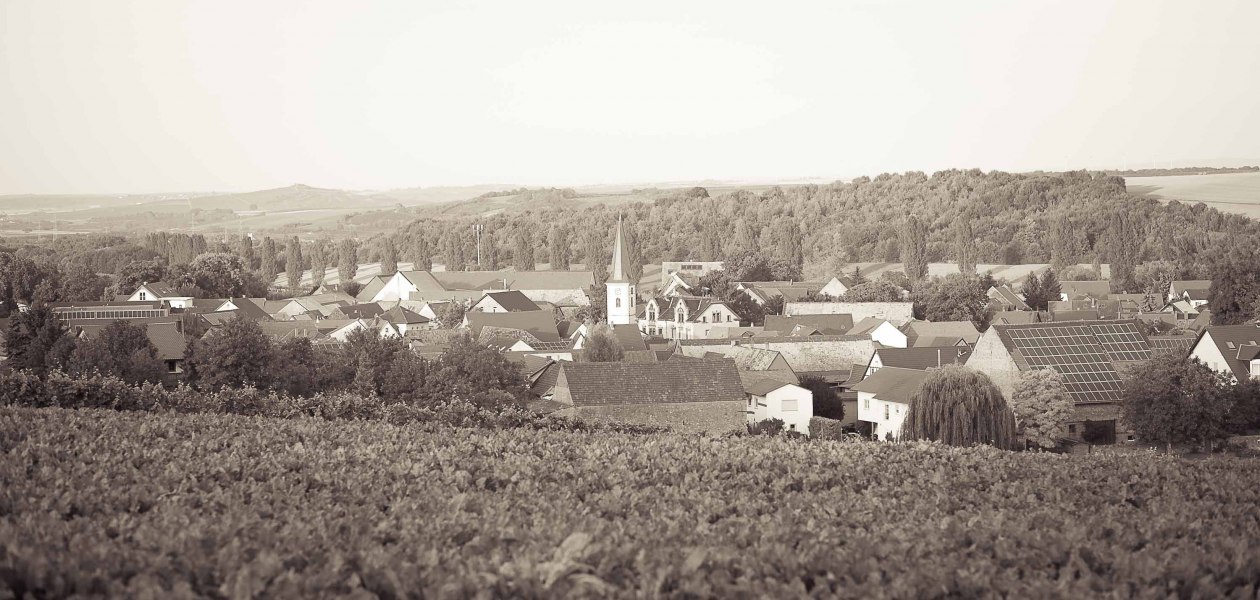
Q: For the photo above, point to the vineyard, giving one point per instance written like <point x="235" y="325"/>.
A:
<point x="96" y="502"/>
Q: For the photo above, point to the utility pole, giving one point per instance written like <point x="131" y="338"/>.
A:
<point x="478" y="227"/>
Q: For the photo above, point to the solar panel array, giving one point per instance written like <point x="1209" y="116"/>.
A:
<point x="1083" y="354"/>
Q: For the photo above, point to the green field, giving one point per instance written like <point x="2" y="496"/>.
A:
<point x="165" y="505"/>
<point x="1229" y="192"/>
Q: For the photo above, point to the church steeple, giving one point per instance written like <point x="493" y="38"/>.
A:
<point x="621" y="300"/>
<point x="619" y="252"/>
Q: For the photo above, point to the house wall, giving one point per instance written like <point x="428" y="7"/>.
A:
<point x="885" y="417"/>
<point x="888" y="335"/>
<point x="990" y="357"/>
<point x="687" y="417"/>
<point x="834" y="288"/>
<point x="899" y="313"/>
<point x="396" y="288"/>
<point x="796" y="420"/>
<point x="1209" y="354"/>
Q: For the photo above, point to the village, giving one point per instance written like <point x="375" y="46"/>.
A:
<point x="693" y="363"/>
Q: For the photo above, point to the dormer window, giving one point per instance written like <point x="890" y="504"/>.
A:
<point x="143" y="296"/>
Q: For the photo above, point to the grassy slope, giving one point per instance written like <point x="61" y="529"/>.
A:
<point x="122" y="502"/>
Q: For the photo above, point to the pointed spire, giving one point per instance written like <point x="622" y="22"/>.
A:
<point x="619" y="252"/>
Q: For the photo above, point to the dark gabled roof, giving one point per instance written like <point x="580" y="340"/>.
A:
<point x="923" y="358"/>
<point x="512" y="301"/>
<point x="371" y="288"/>
<point x="1079" y="289"/>
<point x="1084" y="352"/>
<point x="827" y="324"/>
<point x="168" y="340"/>
<point x="892" y="384"/>
<point x="283" y="330"/>
<point x="165" y="290"/>
<point x="1191" y="284"/>
<point x="249" y="308"/>
<point x="748" y="358"/>
<point x="1197" y="294"/>
<point x="764" y="385"/>
<point x="362" y="311"/>
<point x="669" y="382"/>
<point x="544" y="378"/>
<point x="1233" y="341"/>
<point x="1003" y="294"/>
<point x="401" y="316"/>
<point x="541" y="323"/>
<point x="1017" y="317"/>
<point x="866" y="326"/>
<point x="500" y="343"/>
<point x="919" y="330"/>
<point x="629" y="337"/>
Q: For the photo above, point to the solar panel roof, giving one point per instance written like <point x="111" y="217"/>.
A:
<point x="1084" y="353"/>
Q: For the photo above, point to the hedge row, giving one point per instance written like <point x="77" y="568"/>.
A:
<point x="167" y="505"/>
<point x="491" y="409"/>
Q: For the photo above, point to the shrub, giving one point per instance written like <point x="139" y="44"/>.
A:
<point x="822" y="428"/>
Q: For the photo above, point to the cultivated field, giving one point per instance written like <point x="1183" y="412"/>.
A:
<point x="1229" y="192"/>
<point x="165" y="505"/>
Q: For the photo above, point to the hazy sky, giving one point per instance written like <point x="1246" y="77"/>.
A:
<point x="167" y="95"/>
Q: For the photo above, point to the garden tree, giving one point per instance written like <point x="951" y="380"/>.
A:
<point x="523" y="251"/>
<point x="451" y="314"/>
<point x="319" y="262"/>
<point x="558" y="247"/>
<point x="293" y="265"/>
<point x="374" y="355"/>
<point x="235" y="354"/>
<point x="352" y="288"/>
<point x="121" y="349"/>
<point x="1124" y="248"/>
<point x="1171" y="400"/>
<point x="965" y="246"/>
<point x="602" y="346"/>
<point x="245" y="250"/>
<point x="1012" y="253"/>
<point x="826" y="402"/>
<point x="1042" y="406"/>
<point x="405" y="381"/>
<point x="131" y="276"/>
<point x="80" y="284"/>
<point x="219" y="276"/>
<point x="1034" y="296"/>
<point x="469" y="369"/>
<point x="294" y="367"/>
<point x="1244" y="413"/>
<point x="389" y="257"/>
<point x="1155" y="277"/>
<point x="37" y="340"/>
<point x="959" y="407"/>
<point x="880" y="290"/>
<point x="1049" y="287"/>
<point x="269" y="266"/>
<point x="857" y="276"/>
<point x="955" y="297"/>
<point x="914" y="241"/>
<point x="347" y="261"/>
<point x="1235" y="275"/>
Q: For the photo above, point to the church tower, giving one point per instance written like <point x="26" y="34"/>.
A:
<point x="621" y="305"/>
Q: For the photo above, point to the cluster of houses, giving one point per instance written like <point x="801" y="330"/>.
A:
<point x="693" y="363"/>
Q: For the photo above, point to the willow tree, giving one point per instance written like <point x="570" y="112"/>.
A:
<point x="959" y="407"/>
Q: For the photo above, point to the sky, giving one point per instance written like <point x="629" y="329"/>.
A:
<point x="148" y="96"/>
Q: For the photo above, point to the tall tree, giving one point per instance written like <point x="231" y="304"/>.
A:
<point x="745" y="240"/>
<point x="787" y="243"/>
<point x="959" y="407"/>
<point x="293" y="265"/>
<point x="914" y="237"/>
<point x="1042" y="406"/>
<point x="245" y="249"/>
<point x="269" y="266"/>
<point x="235" y="354"/>
<point x="37" y="340"/>
<point x="523" y="251"/>
<point x="389" y="257"/>
<point x="422" y="254"/>
<point x="558" y="247"/>
<point x="319" y="262"/>
<point x="122" y="349"/>
<point x="1124" y="248"/>
<point x="1049" y="287"/>
<point x="965" y="246"/>
<point x="634" y="254"/>
<point x="347" y="261"/>
<point x="1034" y="296"/>
<point x="1065" y="244"/>
<point x="1235" y="275"/>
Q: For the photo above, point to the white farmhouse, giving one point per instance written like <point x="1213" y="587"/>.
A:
<point x="771" y="399"/>
<point x="884" y="399"/>
<point x="1230" y="349"/>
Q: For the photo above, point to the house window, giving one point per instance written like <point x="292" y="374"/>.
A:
<point x="790" y="405"/>
<point x="717" y="316"/>
<point x="866" y="403"/>
<point x="885" y="412"/>
<point x="618" y="302"/>
<point x="143" y="296"/>
<point x="1072" y="428"/>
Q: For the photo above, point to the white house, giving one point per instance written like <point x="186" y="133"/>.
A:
<point x="1197" y="288"/>
<point x="880" y="330"/>
<point x="505" y="301"/>
<point x="342" y="331"/>
<point x="884" y="399"/>
<point x="161" y="291"/>
<point x="771" y="399"/>
<point x="1230" y="349"/>
<point x="688" y="318"/>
